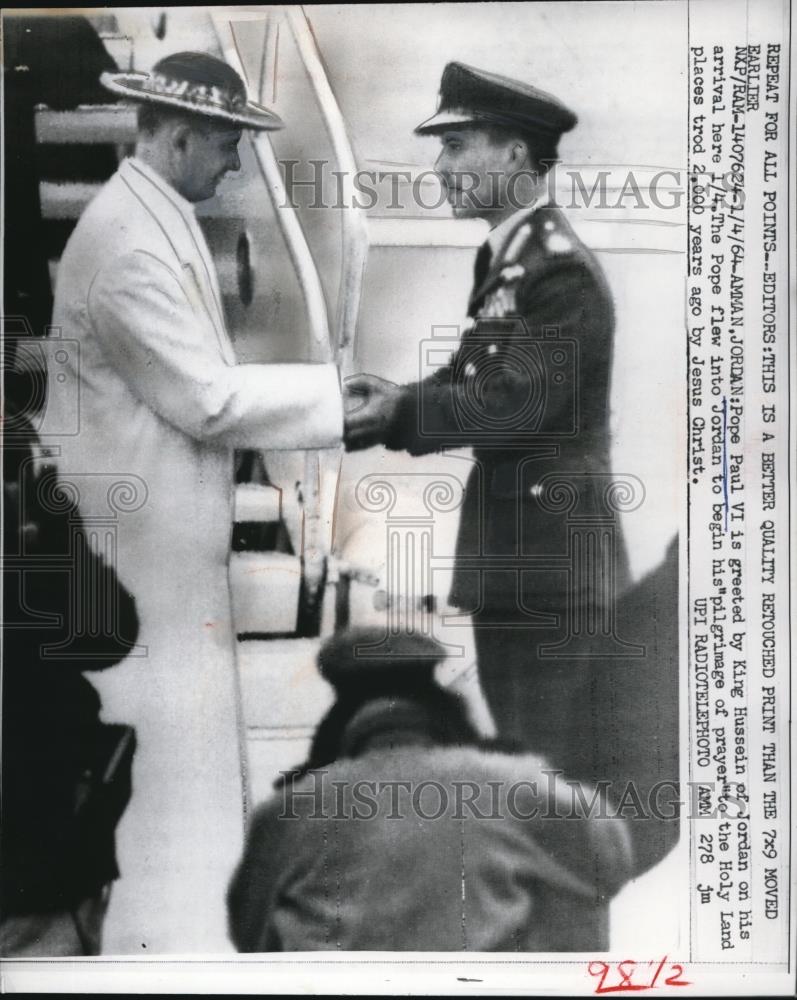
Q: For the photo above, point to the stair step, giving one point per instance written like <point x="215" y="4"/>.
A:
<point x="265" y="591"/>
<point x="281" y="687"/>
<point x="96" y="123"/>
<point x="66" y="200"/>
<point x="256" y="503"/>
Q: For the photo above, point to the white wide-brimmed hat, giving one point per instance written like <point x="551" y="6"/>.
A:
<point x="195" y="82"/>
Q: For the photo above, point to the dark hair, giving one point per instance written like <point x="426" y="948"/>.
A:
<point x="543" y="148"/>
<point x="446" y="712"/>
<point x="153" y="116"/>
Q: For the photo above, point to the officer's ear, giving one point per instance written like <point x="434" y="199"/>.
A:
<point x="519" y="152"/>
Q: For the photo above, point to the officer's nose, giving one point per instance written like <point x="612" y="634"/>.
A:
<point x="442" y="168"/>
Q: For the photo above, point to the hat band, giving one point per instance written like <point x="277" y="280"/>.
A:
<point x="525" y="122"/>
<point x="199" y="94"/>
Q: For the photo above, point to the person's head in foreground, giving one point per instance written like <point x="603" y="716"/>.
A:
<point x="385" y="691"/>
<point x="405" y="832"/>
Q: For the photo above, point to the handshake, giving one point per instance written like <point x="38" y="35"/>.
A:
<point x="370" y="405"/>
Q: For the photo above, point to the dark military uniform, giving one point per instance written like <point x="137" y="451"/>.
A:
<point x="535" y="367"/>
<point x="528" y="389"/>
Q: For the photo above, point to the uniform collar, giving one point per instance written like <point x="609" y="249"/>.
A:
<point x="499" y="236"/>
<point x="505" y="242"/>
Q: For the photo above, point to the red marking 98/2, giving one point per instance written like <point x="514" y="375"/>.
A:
<point x="632" y="977"/>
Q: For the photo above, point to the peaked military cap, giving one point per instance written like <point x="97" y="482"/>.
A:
<point x="196" y="82"/>
<point x="470" y="96"/>
<point x="366" y="657"/>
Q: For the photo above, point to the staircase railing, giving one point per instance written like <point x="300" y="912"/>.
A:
<point x="316" y="540"/>
<point x="354" y="250"/>
<point x="287" y="219"/>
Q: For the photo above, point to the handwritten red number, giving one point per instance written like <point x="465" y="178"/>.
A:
<point x="673" y="980"/>
<point x="624" y="986"/>
<point x="602" y="969"/>
<point x="625" y="971"/>
<point x="657" y="973"/>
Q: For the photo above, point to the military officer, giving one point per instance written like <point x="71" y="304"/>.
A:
<point x="528" y="390"/>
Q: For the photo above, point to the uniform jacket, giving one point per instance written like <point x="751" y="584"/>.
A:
<point x="162" y="407"/>
<point x="333" y="863"/>
<point x="528" y="390"/>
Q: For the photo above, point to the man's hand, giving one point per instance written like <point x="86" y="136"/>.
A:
<point x="370" y="405"/>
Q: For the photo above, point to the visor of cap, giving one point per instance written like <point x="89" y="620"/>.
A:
<point x="443" y="119"/>
<point x="367" y="655"/>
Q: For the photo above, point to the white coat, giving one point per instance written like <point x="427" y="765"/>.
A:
<point x="162" y="406"/>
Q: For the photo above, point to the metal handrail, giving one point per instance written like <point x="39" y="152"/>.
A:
<point x="287" y="219"/>
<point x="314" y="551"/>
<point x="354" y="233"/>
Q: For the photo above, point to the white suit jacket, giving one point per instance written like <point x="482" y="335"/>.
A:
<point x="162" y="407"/>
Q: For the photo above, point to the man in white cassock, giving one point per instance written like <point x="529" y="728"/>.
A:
<point x="163" y="405"/>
